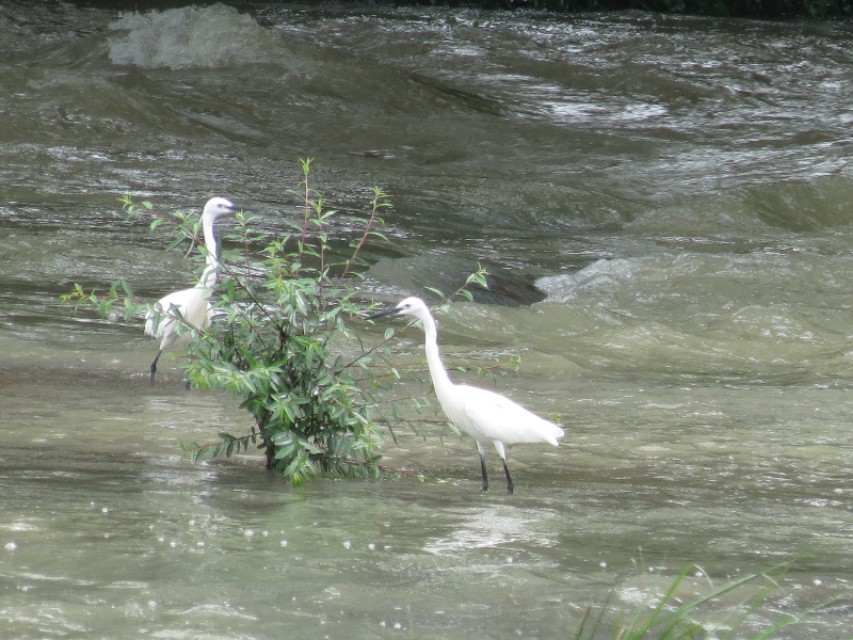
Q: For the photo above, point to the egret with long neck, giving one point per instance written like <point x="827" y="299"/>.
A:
<point x="174" y="318"/>
<point x="486" y="416"/>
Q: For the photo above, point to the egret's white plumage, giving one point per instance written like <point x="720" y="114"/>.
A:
<point x="486" y="416"/>
<point x="174" y="318"/>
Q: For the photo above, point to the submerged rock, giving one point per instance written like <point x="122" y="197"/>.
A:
<point x="447" y="273"/>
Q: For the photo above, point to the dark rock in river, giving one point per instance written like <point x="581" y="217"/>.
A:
<point x="412" y="275"/>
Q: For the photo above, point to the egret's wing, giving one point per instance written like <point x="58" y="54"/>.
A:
<point x="189" y="305"/>
<point x="496" y="417"/>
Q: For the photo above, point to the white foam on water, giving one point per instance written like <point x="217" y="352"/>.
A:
<point x="207" y="37"/>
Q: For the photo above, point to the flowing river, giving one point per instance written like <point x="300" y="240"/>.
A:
<point x="665" y="204"/>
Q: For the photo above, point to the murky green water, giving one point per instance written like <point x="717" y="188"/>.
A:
<point x="677" y="189"/>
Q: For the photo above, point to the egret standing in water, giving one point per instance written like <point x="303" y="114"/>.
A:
<point x="174" y="318"/>
<point x="486" y="416"/>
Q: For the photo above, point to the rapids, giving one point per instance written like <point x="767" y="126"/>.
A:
<point x="666" y="202"/>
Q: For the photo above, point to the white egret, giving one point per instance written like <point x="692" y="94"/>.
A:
<point x="174" y="318"/>
<point x="485" y="415"/>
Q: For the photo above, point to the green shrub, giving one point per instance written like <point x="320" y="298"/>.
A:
<point x="280" y="340"/>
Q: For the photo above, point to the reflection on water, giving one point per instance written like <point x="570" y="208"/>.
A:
<point x="496" y="526"/>
<point x="678" y="189"/>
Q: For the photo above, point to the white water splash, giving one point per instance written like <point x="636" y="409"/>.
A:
<point x="208" y="37"/>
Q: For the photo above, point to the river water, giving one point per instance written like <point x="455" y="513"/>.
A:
<point x="677" y="189"/>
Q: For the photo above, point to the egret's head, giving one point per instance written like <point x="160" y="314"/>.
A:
<point x="217" y="207"/>
<point x="409" y="307"/>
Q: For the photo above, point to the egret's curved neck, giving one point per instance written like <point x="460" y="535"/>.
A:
<point x="210" y="240"/>
<point x="437" y="372"/>
<point x="210" y="275"/>
<point x="211" y="271"/>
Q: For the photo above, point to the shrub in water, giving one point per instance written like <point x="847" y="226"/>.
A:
<point x="280" y="322"/>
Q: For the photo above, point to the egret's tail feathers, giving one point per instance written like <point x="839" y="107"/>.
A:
<point x="556" y="434"/>
<point x="545" y="431"/>
<point x="150" y="328"/>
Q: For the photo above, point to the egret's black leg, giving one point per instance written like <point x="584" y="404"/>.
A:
<point x="154" y="365"/>
<point x="509" y="485"/>
<point x="485" y="475"/>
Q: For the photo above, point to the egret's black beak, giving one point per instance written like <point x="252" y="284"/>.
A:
<point x="383" y="314"/>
